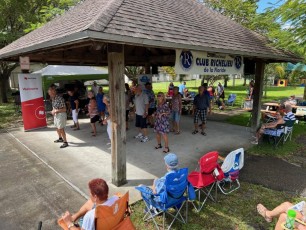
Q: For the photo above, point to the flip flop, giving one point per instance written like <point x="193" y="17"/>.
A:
<point x="195" y="132"/>
<point x="177" y="133"/>
<point x="203" y="133"/>
<point x="262" y="211"/>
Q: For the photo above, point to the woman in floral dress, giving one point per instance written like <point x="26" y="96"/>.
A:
<point x="162" y="126"/>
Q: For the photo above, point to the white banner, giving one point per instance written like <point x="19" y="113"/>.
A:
<point x="203" y="63"/>
<point x="32" y="102"/>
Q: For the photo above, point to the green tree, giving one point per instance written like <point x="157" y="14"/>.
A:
<point x="241" y="11"/>
<point x="17" y="16"/>
<point x="133" y="71"/>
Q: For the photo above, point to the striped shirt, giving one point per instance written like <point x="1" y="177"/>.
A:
<point x="289" y="117"/>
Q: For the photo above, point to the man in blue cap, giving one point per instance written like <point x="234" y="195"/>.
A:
<point x="171" y="162"/>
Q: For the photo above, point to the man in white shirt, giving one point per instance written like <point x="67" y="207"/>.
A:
<point x="142" y="106"/>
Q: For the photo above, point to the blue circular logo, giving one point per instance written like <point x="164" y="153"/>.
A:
<point x="238" y="62"/>
<point x="186" y="60"/>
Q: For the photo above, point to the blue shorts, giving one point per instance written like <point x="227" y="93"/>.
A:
<point x="175" y="116"/>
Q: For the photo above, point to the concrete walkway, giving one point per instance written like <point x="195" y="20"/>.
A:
<point x="90" y="157"/>
<point x="30" y="192"/>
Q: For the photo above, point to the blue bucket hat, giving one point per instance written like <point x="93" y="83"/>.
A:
<point x="171" y="160"/>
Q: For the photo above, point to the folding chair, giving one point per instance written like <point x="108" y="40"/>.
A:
<point x="114" y="217"/>
<point x="170" y="201"/>
<point x="205" y="178"/>
<point x="231" y="166"/>
<point x="281" y="133"/>
<point x="231" y="99"/>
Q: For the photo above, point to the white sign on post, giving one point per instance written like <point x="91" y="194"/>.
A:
<point x="24" y="63"/>
<point x="203" y="63"/>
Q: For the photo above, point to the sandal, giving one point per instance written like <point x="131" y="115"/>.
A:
<point x="195" y="132"/>
<point x="93" y="135"/>
<point x="76" y="129"/>
<point x="262" y="211"/>
<point x="177" y="132"/>
<point x="203" y="133"/>
<point x="166" y="150"/>
<point x="159" y="146"/>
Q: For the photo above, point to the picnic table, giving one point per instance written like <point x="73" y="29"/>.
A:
<point x="187" y="103"/>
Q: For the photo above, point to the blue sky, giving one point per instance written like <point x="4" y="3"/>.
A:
<point x="262" y="4"/>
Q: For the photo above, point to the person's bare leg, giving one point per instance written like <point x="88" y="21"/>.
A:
<point x="203" y="126"/>
<point x="63" y="134"/>
<point x="177" y="126"/>
<point x="93" y="126"/>
<point x="196" y="126"/>
<point x="158" y="138"/>
<point x="58" y="133"/>
<point x="282" y="208"/>
<point x="165" y="136"/>
<point x="145" y="132"/>
<point x="173" y="126"/>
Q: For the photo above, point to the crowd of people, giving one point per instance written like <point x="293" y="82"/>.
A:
<point x="151" y="110"/>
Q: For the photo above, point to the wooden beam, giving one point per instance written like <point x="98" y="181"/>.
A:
<point x="258" y="88"/>
<point x="117" y="103"/>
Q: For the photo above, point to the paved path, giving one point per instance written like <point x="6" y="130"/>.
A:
<point x="274" y="173"/>
<point x="89" y="157"/>
<point x="30" y="192"/>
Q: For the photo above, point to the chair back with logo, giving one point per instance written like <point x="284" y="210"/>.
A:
<point x="233" y="162"/>
<point x="231" y="167"/>
<point x="176" y="184"/>
<point x="114" y="216"/>
<point x="204" y="179"/>
<point x="208" y="164"/>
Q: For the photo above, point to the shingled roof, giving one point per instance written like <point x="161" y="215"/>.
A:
<point x="170" y="24"/>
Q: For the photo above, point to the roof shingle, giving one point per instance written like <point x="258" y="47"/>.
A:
<point x="177" y="22"/>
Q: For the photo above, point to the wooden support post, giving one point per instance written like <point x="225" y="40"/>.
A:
<point x="147" y="68"/>
<point x="117" y="104"/>
<point x="258" y="88"/>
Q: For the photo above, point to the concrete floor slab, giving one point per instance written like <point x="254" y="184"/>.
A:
<point x="89" y="157"/>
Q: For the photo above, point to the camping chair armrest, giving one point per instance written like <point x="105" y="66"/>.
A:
<point x="143" y="190"/>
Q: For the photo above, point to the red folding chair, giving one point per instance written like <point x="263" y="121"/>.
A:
<point x="205" y="177"/>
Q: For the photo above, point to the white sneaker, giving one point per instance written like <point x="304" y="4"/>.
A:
<point x="139" y="136"/>
<point x="254" y="142"/>
<point x="144" y="139"/>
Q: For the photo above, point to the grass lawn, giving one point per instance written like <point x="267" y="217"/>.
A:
<point x="234" y="211"/>
<point x="8" y="115"/>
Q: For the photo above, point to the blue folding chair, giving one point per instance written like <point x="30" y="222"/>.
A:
<point x="171" y="200"/>
<point x="231" y="99"/>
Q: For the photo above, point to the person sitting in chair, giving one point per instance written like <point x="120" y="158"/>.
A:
<point x="171" y="162"/>
<point x="272" y="125"/>
<point x="280" y="212"/>
<point x="98" y="189"/>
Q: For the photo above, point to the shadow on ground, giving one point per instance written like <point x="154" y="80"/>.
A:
<point x="274" y="173"/>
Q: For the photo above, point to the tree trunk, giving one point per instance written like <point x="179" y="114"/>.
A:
<point x="244" y="81"/>
<point x="8" y="87"/>
<point x="3" y="91"/>
<point x="225" y="82"/>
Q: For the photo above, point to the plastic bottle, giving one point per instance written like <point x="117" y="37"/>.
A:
<point x="290" y="219"/>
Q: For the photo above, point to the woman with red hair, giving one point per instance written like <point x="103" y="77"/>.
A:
<point x="98" y="190"/>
